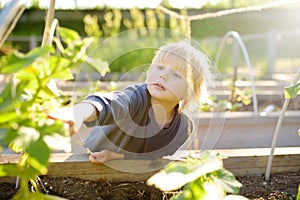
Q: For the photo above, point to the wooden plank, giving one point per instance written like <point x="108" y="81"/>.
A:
<point x="239" y="161"/>
<point x="261" y="161"/>
<point x="129" y="166"/>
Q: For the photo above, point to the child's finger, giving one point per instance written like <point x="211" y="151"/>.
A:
<point x="72" y="128"/>
<point x="93" y="159"/>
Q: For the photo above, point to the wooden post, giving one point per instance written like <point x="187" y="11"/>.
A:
<point x="48" y="22"/>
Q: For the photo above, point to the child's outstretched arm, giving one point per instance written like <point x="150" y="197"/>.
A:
<point x="75" y="115"/>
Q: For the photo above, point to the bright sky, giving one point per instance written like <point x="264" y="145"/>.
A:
<point x="72" y="4"/>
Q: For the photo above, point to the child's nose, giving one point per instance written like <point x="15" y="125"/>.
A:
<point x="164" y="77"/>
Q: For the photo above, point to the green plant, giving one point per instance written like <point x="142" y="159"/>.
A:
<point x="241" y="98"/>
<point x="291" y="92"/>
<point x="30" y="91"/>
<point x="199" y="178"/>
<point x="215" y="105"/>
<point x="26" y="96"/>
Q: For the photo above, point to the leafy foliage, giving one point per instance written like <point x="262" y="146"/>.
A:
<point x="201" y="178"/>
<point x="291" y="91"/>
<point x="243" y="97"/>
<point x="30" y="91"/>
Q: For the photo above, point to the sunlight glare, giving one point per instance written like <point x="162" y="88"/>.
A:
<point x="133" y="3"/>
<point x="91" y="4"/>
<point x="191" y="3"/>
<point x="71" y="4"/>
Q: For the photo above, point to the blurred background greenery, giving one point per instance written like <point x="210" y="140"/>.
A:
<point x="266" y="33"/>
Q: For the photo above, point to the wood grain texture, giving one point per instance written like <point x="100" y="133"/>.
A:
<point x="239" y="161"/>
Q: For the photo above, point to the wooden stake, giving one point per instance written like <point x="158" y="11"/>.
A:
<point x="48" y="22"/>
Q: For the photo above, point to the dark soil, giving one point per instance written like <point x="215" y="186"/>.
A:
<point x="281" y="186"/>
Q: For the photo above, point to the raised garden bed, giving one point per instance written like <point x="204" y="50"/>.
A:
<point x="281" y="186"/>
<point x="246" y="130"/>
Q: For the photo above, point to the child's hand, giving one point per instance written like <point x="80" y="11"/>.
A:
<point x="75" y="115"/>
<point x="103" y="156"/>
<point x="68" y="115"/>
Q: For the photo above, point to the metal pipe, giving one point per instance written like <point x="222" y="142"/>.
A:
<point x="238" y="38"/>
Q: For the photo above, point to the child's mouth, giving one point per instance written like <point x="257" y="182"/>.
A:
<point x="159" y="86"/>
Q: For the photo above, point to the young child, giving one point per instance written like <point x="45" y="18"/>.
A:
<point x="144" y="121"/>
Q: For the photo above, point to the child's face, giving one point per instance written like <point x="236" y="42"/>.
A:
<point x="165" y="83"/>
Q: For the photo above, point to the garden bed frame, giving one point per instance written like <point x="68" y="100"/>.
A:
<point x="239" y="161"/>
<point x="240" y="130"/>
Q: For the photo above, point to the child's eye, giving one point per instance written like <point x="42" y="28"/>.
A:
<point x="177" y="75"/>
<point x="159" y="67"/>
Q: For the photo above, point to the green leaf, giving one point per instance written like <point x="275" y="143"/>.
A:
<point x="68" y="35"/>
<point x="181" y="167"/>
<point x="9" y="116"/>
<point x="64" y="74"/>
<point x="167" y="180"/>
<point x="197" y="189"/>
<point x="26" y="75"/>
<point x="291" y="91"/>
<point x="39" y="154"/>
<point x="9" y="98"/>
<point x="227" y="181"/>
<point x="22" y="137"/>
<point x="9" y="170"/>
<point x="191" y="191"/>
<point x="12" y="169"/>
<point x="18" y="60"/>
<point x="46" y="94"/>
<point x="2" y="139"/>
<point x="59" y="68"/>
<point x="28" y="85"/>
<point x="48" y="91"/>
<point x="9" y="135"/>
